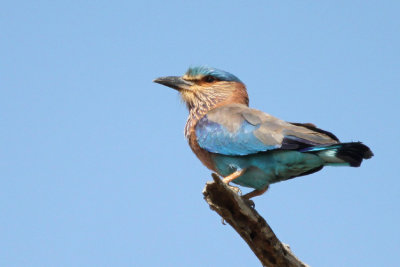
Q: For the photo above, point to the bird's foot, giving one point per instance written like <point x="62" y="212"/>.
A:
<point x="249" y="202"/>
<point x="235" y="189"/>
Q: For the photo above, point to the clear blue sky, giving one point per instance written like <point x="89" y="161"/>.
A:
<point x="94" y="168"/>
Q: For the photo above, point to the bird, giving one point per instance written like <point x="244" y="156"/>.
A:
<point x="246" y="146"/>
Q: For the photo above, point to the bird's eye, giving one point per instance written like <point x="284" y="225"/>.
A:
<point x="209" y="79"/>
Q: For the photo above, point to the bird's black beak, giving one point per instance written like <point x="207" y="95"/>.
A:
<point x="174" y="82"/>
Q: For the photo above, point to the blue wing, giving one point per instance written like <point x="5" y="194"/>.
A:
<point x="238" y="130"/>
<point x="216" y="138"/>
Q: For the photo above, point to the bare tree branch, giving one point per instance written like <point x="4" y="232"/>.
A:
<point x="249" y="225"/>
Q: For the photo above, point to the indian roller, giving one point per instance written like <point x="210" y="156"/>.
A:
<point x="249" y="147"/>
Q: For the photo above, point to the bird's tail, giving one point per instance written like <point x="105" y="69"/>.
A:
<point x="350" y="154"/>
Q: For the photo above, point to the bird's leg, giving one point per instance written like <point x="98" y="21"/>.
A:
<point x="233" y="176"/>
<point x="255" y="193"/>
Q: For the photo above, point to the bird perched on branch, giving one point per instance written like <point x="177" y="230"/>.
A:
<point x="249" y="147"/>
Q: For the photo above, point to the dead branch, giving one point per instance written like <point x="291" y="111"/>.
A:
<point x="249" y="225"/>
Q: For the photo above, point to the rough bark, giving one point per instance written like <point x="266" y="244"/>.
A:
<point x="249" y="224"/>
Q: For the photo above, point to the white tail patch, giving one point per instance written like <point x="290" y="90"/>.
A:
<point x="329" y="156"/>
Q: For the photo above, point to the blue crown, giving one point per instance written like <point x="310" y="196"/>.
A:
<point x="219" y="74"/>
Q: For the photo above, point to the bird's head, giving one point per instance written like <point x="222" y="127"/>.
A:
<point x="205" y="87"/>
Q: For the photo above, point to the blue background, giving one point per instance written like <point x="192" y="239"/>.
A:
<point x="94" y="168"/>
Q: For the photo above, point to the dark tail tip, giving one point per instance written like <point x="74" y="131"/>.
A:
<point x="354" y="153"/>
